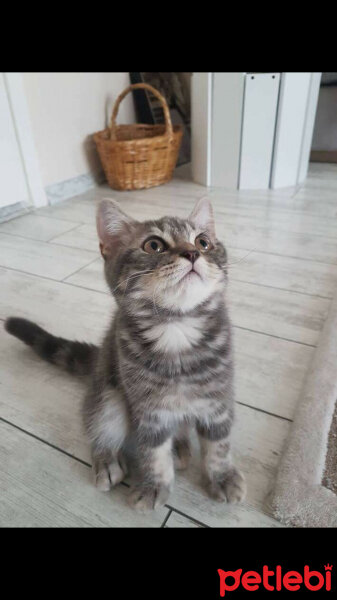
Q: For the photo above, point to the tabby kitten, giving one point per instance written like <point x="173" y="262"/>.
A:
<point x="165" y="363"/>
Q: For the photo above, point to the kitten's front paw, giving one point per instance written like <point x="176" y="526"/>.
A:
<point x="229" y="487"/>
<point x="145" y="499"/>
<point x="108" y="474"/>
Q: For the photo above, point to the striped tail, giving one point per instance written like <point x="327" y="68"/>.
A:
<point x="76" y="357"/>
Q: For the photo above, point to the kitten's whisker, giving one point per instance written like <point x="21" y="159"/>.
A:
<point x="146" y="272"/>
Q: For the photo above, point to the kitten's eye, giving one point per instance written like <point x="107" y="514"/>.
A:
<point x="202" y="243"/>
<point x="154" y="245"/>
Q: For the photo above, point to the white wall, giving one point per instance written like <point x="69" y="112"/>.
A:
<point x="227" y="107"/>
<point x="65" y="109"/>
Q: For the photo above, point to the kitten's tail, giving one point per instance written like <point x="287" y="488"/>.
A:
<point x="76" y="357"/>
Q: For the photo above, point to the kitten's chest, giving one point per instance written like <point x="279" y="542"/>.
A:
<point x="176" y="336"/>
<point x="178" y="365"/>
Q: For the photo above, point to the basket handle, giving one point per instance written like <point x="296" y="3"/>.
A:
<point x="137" y="86"/>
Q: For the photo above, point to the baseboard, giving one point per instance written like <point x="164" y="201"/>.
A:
<point x="72" y="187"/>
<point x="13" y="211"/>
<point x="326" y="156"/>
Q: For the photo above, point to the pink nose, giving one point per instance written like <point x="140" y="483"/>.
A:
<point x="191" y="255"/>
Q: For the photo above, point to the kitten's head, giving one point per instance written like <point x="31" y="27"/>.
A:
<point x="177" y="264"/>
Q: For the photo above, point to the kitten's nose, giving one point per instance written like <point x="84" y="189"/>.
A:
<point x="191" y="255"/>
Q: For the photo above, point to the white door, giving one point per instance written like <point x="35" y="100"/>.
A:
<point x="258" y="128"/>
<point x="13" y="184"/>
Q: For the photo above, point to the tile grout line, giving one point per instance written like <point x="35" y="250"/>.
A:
<point x="274" y="287"/>
<point x="166" y="518"/>
<point x="320" y="262"/>
<point x="64" y="280"/>
<point x="32" y="211"/>
<point x="23" y="237"/>
<point x="180" y="512"/>
<point x="264" y="411"/>
<point x="274" y="336"/>
<point x="265" y="227"/>
<point x="63" y="233"/>
<point x="60" y="218"/>
<point x="51" y="279"/>
<point x="71" y="247"/>
<point x="48" y="242"/>
<point x="83" y="287"/>
<point x="34" y="239"/>
<point x="36" y="437"/>
<point x="255" y="250"/>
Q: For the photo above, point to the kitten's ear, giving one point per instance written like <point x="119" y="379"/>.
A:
<point x="202" y="217"/>
<point x="113" y="227"/>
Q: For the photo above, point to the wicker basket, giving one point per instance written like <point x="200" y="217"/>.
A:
<point x="139" y="156"/>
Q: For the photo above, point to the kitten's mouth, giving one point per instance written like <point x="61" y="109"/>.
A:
<point x="187" y="276"/>
<point x="191" y="274"/>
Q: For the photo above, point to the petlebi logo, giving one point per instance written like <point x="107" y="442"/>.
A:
<point x="276" y="579"/>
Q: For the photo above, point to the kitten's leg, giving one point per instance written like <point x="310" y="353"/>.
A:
<point x="155" y="469"/>
<point x="107" y="425"/>
<point x="224" y="482"/>
<point x="182" y="448"/>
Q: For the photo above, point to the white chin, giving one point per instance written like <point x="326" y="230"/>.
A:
<point x="190" y="292"/>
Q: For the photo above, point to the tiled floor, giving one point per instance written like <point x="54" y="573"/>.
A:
<point x="279" y="296"/>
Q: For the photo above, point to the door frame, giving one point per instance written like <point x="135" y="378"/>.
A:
<point x="20" y="112"/>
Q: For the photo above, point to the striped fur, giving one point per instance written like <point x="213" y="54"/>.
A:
<point x="166" y="362"/>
